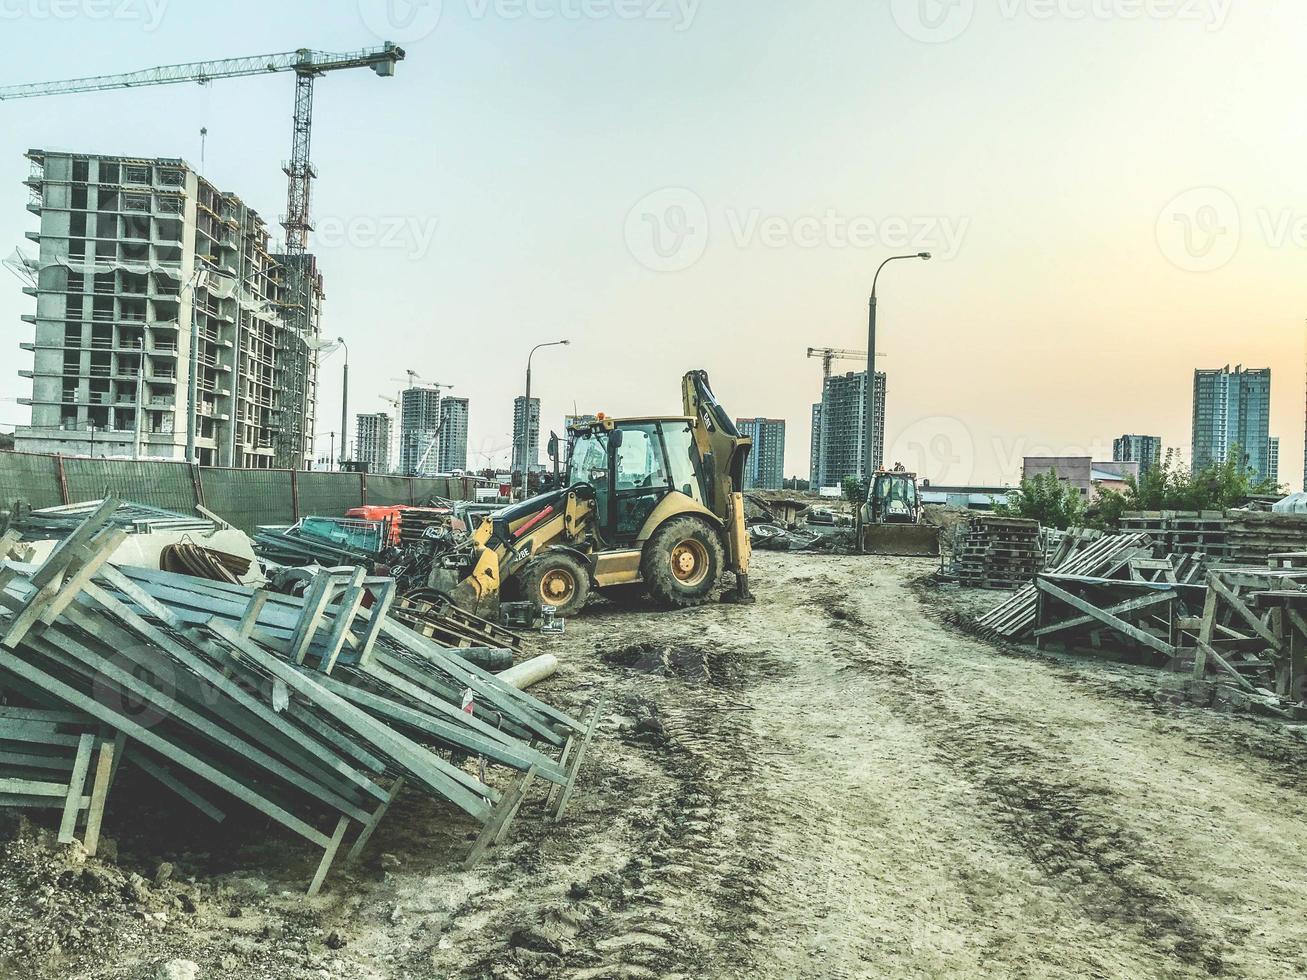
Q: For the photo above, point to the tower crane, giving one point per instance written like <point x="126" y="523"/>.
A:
<point x="308" y="66"/>
<point x="829" y="355"/>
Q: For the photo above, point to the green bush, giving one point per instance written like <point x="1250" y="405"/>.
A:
<point x="1046" y="499"/>
<point x="1173" y="486"/>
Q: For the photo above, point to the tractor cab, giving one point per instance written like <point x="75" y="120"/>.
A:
<point x="633" y="466"/>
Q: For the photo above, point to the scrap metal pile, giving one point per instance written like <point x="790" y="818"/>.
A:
<point x="315" y="711"/>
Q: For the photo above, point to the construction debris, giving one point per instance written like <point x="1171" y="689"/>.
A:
<point x="296" y="707"/>
<point x="1253" y="536"/>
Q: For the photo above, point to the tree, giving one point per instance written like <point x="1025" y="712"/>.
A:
<point x="1046" y="499"/>
<point x="853" y="491"/>
<point x="1174" y="486"/>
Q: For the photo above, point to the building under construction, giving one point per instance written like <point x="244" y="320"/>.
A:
<point x="138" y="257"/>
<point x="372" y="436"/>
<point x="839" y="446"/>
<point x="419" y="432"/>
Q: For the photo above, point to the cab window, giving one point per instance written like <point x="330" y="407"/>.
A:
<point x="640" y="463"/>
<point x="681" y="458"/>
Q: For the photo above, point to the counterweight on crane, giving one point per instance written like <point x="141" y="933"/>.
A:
<point x="290" y="441"/>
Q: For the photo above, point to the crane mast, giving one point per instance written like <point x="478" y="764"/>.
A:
<point x="297" y="300"/>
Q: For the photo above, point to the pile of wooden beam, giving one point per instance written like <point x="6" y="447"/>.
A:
<point x="1177" y="532"/>
<point x="1105" y="557"/>
<point x="1253" y="536"/>
<point x="997" y="552"/>
<point x="316" y="711"/>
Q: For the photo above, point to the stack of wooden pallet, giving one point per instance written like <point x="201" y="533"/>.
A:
<point x="997" y="553"/>
<point x="307" y="710"/>
<point x="1254" y="536"/>
<point x="1181" y="532"/>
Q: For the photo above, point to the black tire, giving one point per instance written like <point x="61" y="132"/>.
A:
<point x="629" y="596"/>
<point x="682" y="563"/>
<point x="555" y="579"/>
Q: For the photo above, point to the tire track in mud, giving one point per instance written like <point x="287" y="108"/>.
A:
<point x="690" y="893"/>
<point x="1037" y="799"/>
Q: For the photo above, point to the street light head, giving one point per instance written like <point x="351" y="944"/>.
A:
<point x="926" y="256"/>
<point x="566" y="343"/>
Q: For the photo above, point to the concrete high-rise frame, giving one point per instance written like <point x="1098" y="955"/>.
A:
<point x="372" y="435"/>
<point x="136" y="255"/>
<point x="842" y="448"/>
<point x="453" y="434"/>
<point x="419" y="432"/>
<point x="766" y="466"/>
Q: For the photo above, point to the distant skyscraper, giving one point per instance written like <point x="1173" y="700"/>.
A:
<point x="1144" y="450"/>
<point x="842" y="448"/>
<point x="1273" y="461"/>
<point x="453" y="434"/>
<point x="1232" y="410"/>
<point x="766" y="466"/>
<point x="814" y="454"/>
<point x="419" y="432"/>
<point x="372" y="441"/>
<point x="532" y="426"/>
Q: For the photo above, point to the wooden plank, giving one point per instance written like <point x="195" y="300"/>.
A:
<point x="315" y="604"/>
<point x="345" y="613"/>
<point x="1120" y="625"/>
<point x="164" y="777"/>
<point x="75" y="786"/>
<point x="425" y="766"/>
<point x="370" y="827"/>
<point x="328" y="856"/>
<point x="499" y="819"/>
<point x="163" y="747"/>
<point x="99" y="793"/>
<point x="251" y="617"/>
<point x="566" y="795"/>
<point x="1129" y="606"/>
<point x="58" y="559"/>
<point x="377" y="619"/>
<point x="1225" y="666"/>
<point x="1240" y="607"/>
<point x="35" y="787"/>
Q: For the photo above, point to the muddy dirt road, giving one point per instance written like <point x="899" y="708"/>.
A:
<point x="833" y="783"/>
<point x="838" y="784"/>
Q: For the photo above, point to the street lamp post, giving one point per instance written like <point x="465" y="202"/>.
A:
<point x="869" y="460"/>
<point x="526" y="416"/>
<point x="344" y="405"/>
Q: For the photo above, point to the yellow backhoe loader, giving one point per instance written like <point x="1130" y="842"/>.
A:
<point x="650" y="506"/>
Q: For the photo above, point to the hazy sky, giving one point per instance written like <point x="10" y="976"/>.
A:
<point x="1115" y="190"/>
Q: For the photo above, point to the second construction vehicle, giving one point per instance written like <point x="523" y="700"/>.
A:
<point x="891" y="519"/>
<point x="650" y="506"/>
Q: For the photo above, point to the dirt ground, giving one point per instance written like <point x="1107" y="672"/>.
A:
<point x="833" y="783"/>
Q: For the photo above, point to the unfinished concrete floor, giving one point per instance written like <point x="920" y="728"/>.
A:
<point x="832" y="783"/>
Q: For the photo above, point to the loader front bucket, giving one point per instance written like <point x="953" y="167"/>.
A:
<point x="908" y="540"/>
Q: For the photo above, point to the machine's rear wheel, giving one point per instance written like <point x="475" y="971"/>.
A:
<point x="557" y="580"/>
<point x="682" y="563"/>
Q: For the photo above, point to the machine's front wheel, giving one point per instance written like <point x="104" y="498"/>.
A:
<point x="557" y="580"/>
<point x="682" y="563"/>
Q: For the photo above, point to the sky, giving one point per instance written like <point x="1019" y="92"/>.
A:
<point x="1113" y="191"/>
